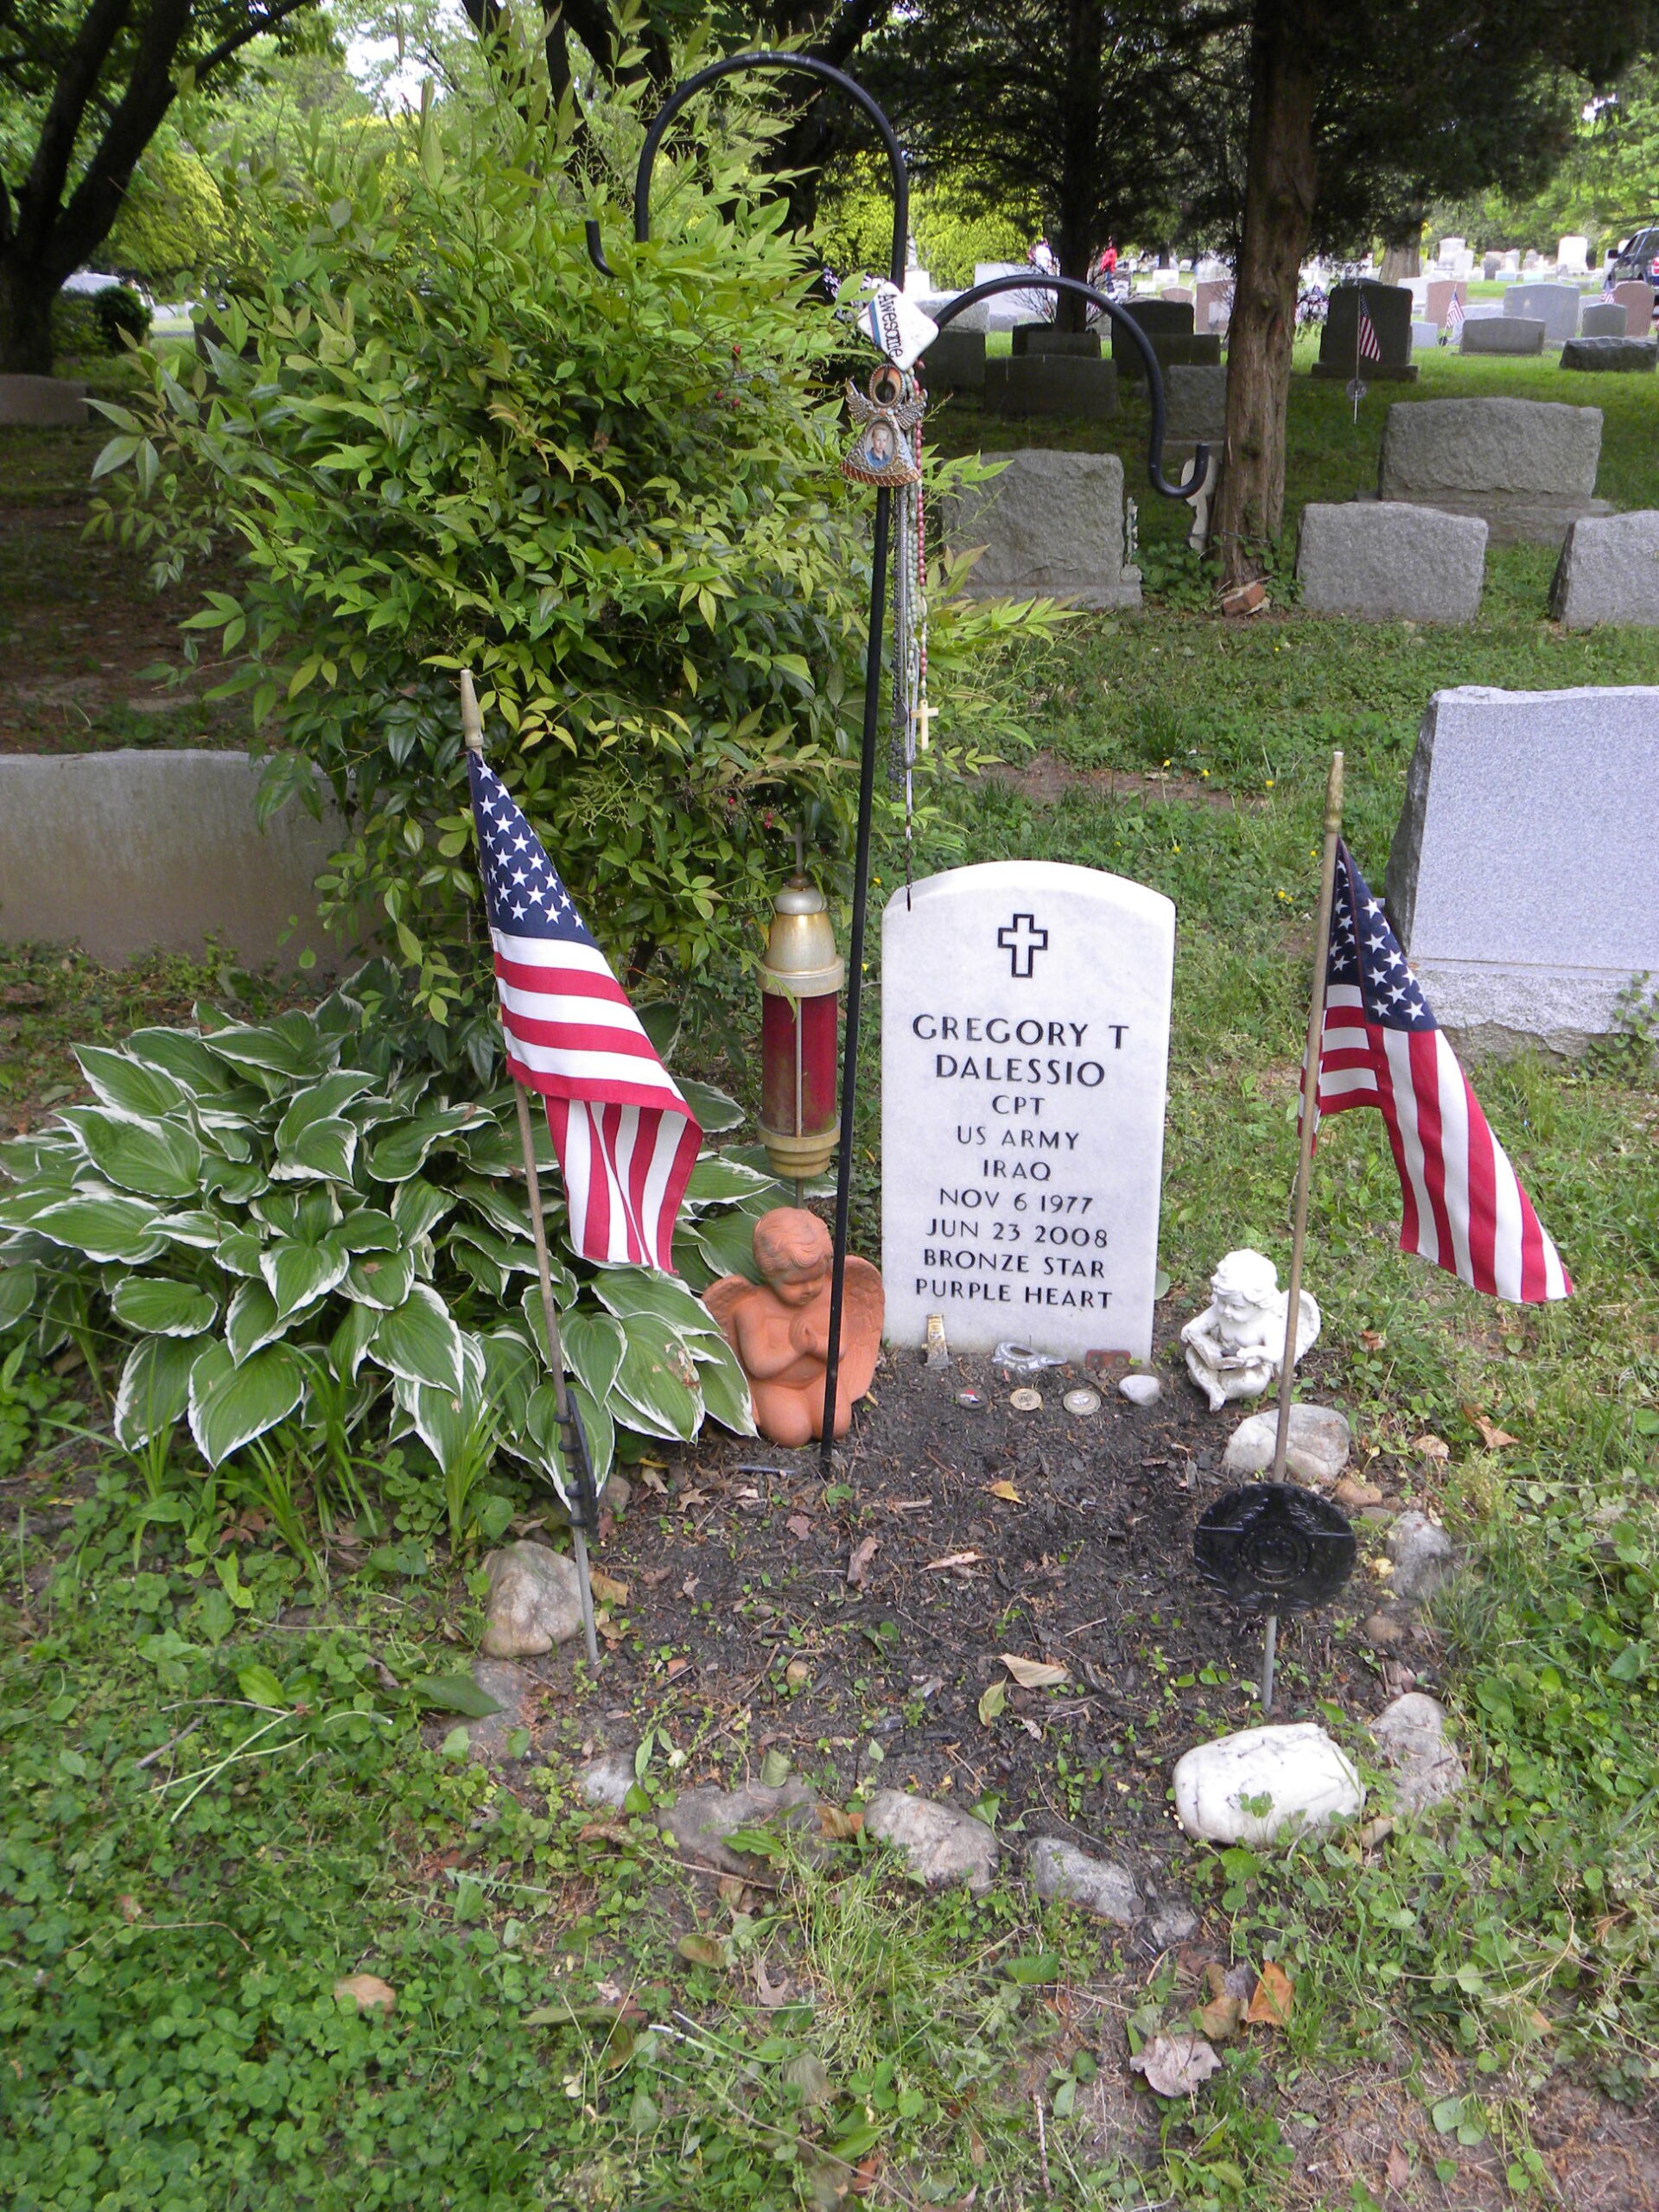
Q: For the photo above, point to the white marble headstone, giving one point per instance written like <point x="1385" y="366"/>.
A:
<point x="1025" y="1042"/>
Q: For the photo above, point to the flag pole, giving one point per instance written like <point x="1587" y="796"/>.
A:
<point x="1310" y="1102"/>
<point x="1357" y="313"/>
<point x="575" y="1445"/>
<point x="1305" y="1166"/>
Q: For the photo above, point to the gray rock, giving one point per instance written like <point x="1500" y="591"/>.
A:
<point x="1521" y="881"/>
<point x="1099" y="1886"/>
<point x="1411" y="1735"/>
<point x="1609" y="572"/>
<point x="125" y="853"/>
<point x="699" y="1822"/>
<point x="1528" y="466"/>
<point x="1171" y="1924"/>
<point x="1390" y="562"/>
<point x="1140" y="1389"/>
<point x="1603" y="318"/>
<point x="1425" y="1558"/>
<point x="44" y="403"/>
<point x="1051" y="524"/>
<point x="1502" y="334"/>
<point x="1316" y="1449"/>
<point x="1617" y="356"/>
<point x="608" y="1780"/>
<point x="514" y="1691"/>
<point x="1556" y="306"/>
<point x="942" y="1844"/>
<point x="1051" y="384"/>
<point x="955" y="361"/>
<point x="535" y="1601"/>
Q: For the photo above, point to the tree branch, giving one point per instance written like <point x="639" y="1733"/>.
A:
<point x="43" y="189"/>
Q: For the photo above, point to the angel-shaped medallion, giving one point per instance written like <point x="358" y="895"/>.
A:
<point x="883" y="453"/>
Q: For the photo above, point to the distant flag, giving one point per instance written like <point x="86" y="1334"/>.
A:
<point x="1366" y="347"/>
<point x="626" y="1139"/>
<point x="1454" y="320"/>
<point x="1382" y="1046"/>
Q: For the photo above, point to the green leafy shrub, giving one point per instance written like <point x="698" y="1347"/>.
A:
<point x="281" y="1226"/>
<point x="121" y="314"/>
<point x="438" y="438"/>
<point x="75" y="329"/>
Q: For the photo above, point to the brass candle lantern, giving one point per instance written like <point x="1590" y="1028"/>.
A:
<point x="800" y="976"/>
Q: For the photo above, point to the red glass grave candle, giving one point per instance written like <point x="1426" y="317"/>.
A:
<point x="800" y="978"/>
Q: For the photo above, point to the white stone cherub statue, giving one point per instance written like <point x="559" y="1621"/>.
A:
<point x="1235" y="1347"/>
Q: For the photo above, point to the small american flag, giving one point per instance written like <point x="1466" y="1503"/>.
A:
<point x="1454" y="320"/>
<point x="626" y="1139"/>
<point x="1382" y="1046"/>
<point x="1365" y="345"/>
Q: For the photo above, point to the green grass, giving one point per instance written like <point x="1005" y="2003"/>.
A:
<point x="166" y="1969"/>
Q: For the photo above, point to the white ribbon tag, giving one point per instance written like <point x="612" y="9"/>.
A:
<point x="893" y="325"/>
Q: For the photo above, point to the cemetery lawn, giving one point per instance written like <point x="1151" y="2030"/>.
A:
<point x="579" y="2019"/>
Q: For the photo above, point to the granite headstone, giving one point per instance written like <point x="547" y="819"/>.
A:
<point x="1524" y="881"/>
<point x="1609" y="572"/>
<point x="1556" y="306"/>
<point x="1051" y="524"/>
<point x="1389" y="309"/>
<point x="1025" y="1041"/>
<point x="1527" y="467"/>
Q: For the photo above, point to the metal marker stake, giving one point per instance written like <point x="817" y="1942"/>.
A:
<point x="1270" y="1651"/>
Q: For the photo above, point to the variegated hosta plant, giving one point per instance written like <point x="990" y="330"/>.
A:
<point x="278" y="1223"/>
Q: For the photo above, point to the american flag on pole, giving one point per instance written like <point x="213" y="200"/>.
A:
<point x="1366" y="347"/>
<point x="1454" y="320"/>
<point x="1382" y="1046"/>
<point x="626" y="1139"/>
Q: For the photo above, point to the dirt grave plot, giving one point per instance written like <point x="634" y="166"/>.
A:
<point x="857" y="1628"/>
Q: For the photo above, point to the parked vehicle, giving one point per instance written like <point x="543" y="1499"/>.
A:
<point x="1637" y="259"/>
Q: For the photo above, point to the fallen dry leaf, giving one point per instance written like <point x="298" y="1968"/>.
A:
<point x="1270" y="2006"/>
<point x="368" y="1993"/>
<point x="1398" y="2171"/>
<point x="953" y="1558"/>
<point x="688" y="1587"/>
<point x="1005" y="1490"/>
<point x="1035" y="1674"/>
<point x="606" y="1588"/>
<point x="653" y="1481"/>
<point x="603" y="1831"/>
<point x="1495" y="1438"/>
<point x="731" y="1888"/>
<point x="676" y="1667"/>
<point x="865" y="2174"/>
<point x="838" y="1825"/>
<point x="702" y="1950"/>
<point x="130" y="1908"/>
<point x="1431" y="1448"/>
<point x="991" y="1705"/>
<point x="797" y="1674"/>
<point x="798" y="1525"/>
<point x="1373" y="1339"/>
<point x="859" y="1564"/>
<point x="653" y="1575"/>
<point x="1219" y="2018"/>
<point x="771" y="1993"/>
<point x="1176" y="2066"/>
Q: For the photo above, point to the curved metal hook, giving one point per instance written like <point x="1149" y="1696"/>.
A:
<point x="1121" y="320"/>
<point x="764" y="59"/>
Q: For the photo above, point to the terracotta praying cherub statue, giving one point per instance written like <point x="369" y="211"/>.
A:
<point x="779" y="1328"/>
<point x="1235" y="1347"/>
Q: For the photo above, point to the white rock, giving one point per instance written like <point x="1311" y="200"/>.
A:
<point x="699" y="1821"/>
<point x="1172" y="1923"/>
<point x="1305" y="1780"/>
<point x="1141" y="1389"/>
<point x="1060" y="1870"/>
<point x="607" y="1781"/>
<point x="534" y="1601"/>
<point x="1424" y="1557"/>
<point x="1317" y="1448"/>
<point x="941" y="1844"/>
<point x="514" y="1691"/>
<point x="1411" y="1734"/>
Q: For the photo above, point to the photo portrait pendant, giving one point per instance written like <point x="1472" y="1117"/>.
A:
<point x="887" y="416"/>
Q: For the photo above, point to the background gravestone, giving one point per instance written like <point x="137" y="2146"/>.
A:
<point x="1527" y="467"/>
<point x="1502" y="334"/>
<point x="954" y="361"/>
<point x="1389" y="306"/>
<point x="1556" y="306"/>
<point x="125" y="853"/>
<point x="1043" y="337"/>
<point x="1609" y="572"/>
<point x="1027" y="384"/>
<point x="1614" y="356"/>
<point x="1637" y="300"/>
<point x="44" y="402"/>
<point x="1390" y="563"/>
<point x="1051" y="525"/>
<point x="1196" y="404"/>
<point x="1605" y="319"/>
<point x="1524" y="881"/>
<point x="1025" y="1041"/>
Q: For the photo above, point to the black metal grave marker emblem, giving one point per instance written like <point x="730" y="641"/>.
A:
<point x="1272" y="1548"/>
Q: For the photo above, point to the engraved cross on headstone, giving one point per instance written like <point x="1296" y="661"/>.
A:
<point x="1022" y="941"/>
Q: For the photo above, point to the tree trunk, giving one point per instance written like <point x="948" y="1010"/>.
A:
<point x="1402" y="257"/>
<point x="1080" y="124"/>
<point x="1281" y="181"/>
<point x="26" y="298"/>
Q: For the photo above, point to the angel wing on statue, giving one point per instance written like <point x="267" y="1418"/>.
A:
<point x="779" y="1327"/>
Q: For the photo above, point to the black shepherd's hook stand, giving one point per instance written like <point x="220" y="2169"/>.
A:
<point x="1035" y="280"/>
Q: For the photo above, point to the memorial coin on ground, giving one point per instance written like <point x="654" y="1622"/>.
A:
<point x="1081" y="1402"/>
<point x="1027" y="1401"/>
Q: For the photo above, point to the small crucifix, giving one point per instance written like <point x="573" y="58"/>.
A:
<point x="920" y="717"/>
<point x="1022" y="941"/>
